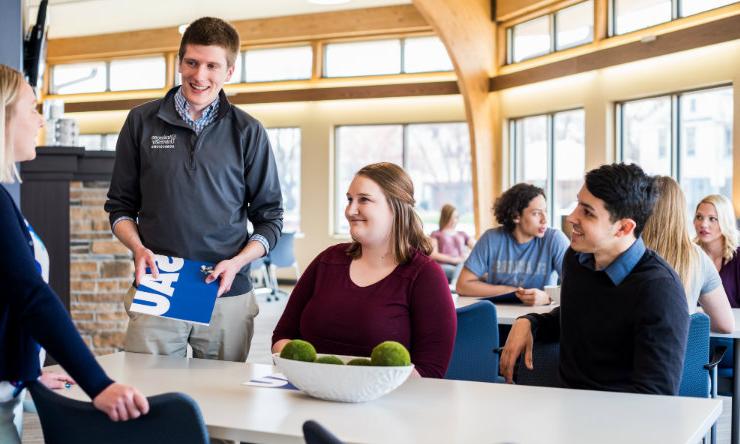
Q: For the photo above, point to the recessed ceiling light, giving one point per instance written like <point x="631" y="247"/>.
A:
<point x="328" y="2"/>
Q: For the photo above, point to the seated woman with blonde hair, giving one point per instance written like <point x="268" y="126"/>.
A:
<point x="382" y="286"/>
<point x="450" y="247"/>
<point x="714" y="222"/>
<point x="666" y="232"/>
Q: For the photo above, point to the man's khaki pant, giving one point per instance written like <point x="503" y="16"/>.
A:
<point x="227" y="338"/>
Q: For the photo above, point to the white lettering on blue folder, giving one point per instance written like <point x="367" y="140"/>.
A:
<point x="179" y="292"/>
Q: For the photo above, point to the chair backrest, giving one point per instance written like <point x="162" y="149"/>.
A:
<point x="546" y="363"/>
<point x="315" y="433"/>
<point x="172" y="418"/>
<point x="473" y="357"/>
<point x="695" y="377"/>
<point x="283" y="254"/>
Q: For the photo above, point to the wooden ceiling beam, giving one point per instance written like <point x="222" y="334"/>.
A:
<point x="469" y="33"/>
<point x="294" y="95"/>
<point x="294" y="28"/>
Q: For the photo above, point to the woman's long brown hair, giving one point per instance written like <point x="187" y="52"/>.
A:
<point x="407" y="234"/>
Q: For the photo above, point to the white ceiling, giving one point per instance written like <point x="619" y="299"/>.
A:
<point x="69" y="18"/>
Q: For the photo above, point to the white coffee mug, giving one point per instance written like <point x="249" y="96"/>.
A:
<point x="554" y="292"/>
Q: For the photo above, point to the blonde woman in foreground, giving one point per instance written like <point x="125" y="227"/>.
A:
<point x="667" y="233"/>
<point x="30" y="313"/>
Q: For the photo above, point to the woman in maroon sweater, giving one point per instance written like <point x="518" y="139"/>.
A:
<point x="383" y="286"/>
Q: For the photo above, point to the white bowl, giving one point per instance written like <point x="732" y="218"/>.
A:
<point x="346" y="383"/>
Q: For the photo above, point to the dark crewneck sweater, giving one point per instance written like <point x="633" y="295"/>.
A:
<point x="626" y="337"/>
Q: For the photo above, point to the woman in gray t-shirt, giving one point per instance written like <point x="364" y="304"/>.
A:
<point x="667" y="233"/>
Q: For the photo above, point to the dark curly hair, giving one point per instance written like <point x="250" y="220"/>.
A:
<point x="509" y="206"/>
<point x="627" y="192"/>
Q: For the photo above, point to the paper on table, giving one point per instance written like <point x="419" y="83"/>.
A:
<point x="275" y="380"/>
<point x="179" y="292"/>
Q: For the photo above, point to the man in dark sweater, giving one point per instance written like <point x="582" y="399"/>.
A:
<point x="622" y="322"/>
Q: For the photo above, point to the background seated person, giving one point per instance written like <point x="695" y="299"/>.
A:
<point x="622" y="320"/>
<point x="450" y="247"/>
<point x="522" y="255"/>
<point x="716" y="234"/>
<point x="667" y="233"/>
<point x="382" y="286"/>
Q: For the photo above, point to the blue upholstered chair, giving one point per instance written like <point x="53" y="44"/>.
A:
<point x="699" y="378"/>
<point x="281" y="256"/>
<point x="474" y="357"/>
<point x="315" y="433"/>
<point x="172" y="418"/>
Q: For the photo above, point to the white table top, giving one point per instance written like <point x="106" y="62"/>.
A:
<point x="506" y="313"/>
<point x="420" y="411"/>
<point x="735" y="334"/>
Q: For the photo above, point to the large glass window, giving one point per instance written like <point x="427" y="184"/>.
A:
<point x="143" y="73"/>
<point x="438" y="161"/>
<point x="691" y="7"/>
<point x="436" y="156"/>
<point x="365" y="58"/>
<point x="79" y="78"/>
<point x="574" y="25"/>
<point x="274" y="64"/>
<point x="286" y="146"/>
<point x="631" y="15"/>
<point x="531" y="39"/>
<point x="389" y="56"/>
<point x="569" y="161"/>
<point x="687" y="136"/>
<point x="425" y="54"/>
<point x="530" y="150"/>
<point x="705" y="143"/>
<point x="562" y="29"/>
<point x="549" y="151"/>
<point x="115" y="75"/>
<point x="645" y="138"/>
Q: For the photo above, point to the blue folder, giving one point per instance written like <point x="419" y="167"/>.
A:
<point x="179" y="292"/>
<point x="507" y="298"/>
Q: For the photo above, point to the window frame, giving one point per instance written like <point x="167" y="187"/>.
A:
<point x="299" y="228"/>
<point x="550" y="141"/>
<point x="402" y="56"/>
<point x="676" y="14"/>
<point x="334" y="207"/>
<point x="553" y="34"/>
<point x="675" y="130"/>
<point x="107" y="64"/>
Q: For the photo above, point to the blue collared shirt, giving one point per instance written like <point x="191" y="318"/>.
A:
<point x="183" y="110"/>
<point x="622" y="266"/>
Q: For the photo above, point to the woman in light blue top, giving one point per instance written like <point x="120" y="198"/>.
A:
<point x="521" y="256"/>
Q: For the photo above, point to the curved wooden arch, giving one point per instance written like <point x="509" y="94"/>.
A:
<point x="468" y="32"/>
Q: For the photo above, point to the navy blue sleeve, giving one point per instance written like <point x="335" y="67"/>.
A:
<point x="41" y="311"/>
<point x="265" y="200"/>
<point x="545" y="326"/>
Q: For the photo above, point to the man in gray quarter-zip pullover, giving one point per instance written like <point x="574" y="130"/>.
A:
<point x="190" y="170"/>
